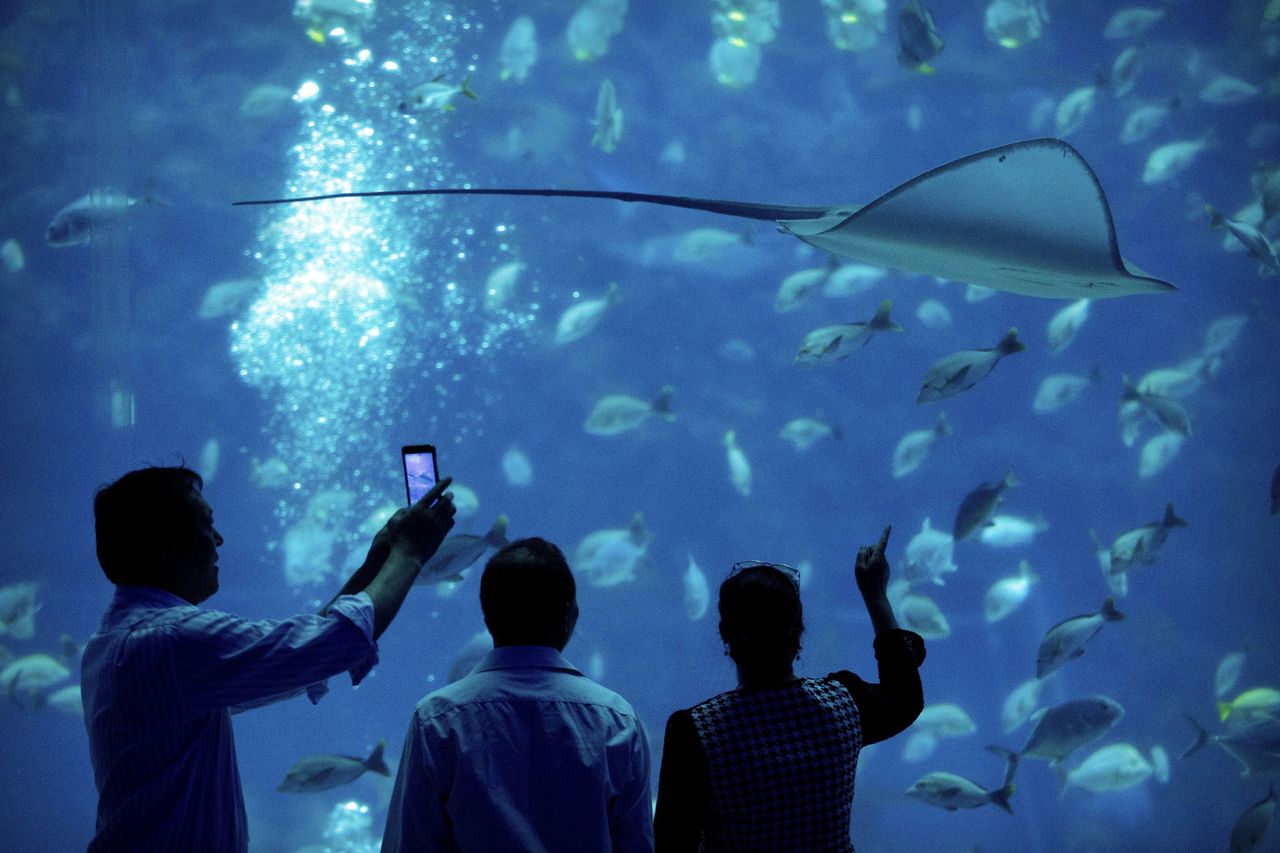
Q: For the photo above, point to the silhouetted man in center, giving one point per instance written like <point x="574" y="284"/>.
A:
<point x="524" y="753"/>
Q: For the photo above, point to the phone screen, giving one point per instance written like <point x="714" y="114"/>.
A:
<point x="420" y="472"/>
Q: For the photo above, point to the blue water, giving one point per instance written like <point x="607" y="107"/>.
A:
<point x="146" y="96"/>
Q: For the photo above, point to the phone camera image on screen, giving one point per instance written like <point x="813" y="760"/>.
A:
<point x="419" y="471"/>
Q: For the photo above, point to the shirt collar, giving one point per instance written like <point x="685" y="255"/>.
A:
<point x="130" y="598"/>
<point x="525" y="657"/>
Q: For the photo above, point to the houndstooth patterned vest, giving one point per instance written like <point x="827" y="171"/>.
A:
<point x="780" y="765"/>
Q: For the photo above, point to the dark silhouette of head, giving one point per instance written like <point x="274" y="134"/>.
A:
<point x="154" y="528"/>
<point x="528" y="595"/>
<point x="761" y="620"/>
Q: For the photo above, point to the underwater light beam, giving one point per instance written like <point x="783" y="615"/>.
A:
<point x="1029" y="218"/>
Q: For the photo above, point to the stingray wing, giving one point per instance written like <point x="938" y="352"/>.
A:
<point x="1027" y="218"/>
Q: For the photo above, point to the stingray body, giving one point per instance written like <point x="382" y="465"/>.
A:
<point x="1028" y="218"/>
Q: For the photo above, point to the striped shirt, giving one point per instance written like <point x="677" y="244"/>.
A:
<point x="160" y="681"/>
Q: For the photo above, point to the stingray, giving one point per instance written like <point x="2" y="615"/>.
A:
<point x="1029" y="217"/>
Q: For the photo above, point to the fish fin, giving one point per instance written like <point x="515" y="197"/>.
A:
<point x="465" y="88"/>
<point x="497" y="535"/>
<point x="1171" y="519"/>
<point x="1224" y="711"/>
<point x="375" y="762"/>
<point x="1001" y="796"/>
<point x="1202" y="737"/>
<point x="1108" y="610"/>
<point x="1010" y="344"/>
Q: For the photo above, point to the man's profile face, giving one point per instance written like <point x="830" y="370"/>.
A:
<point x="195" y="563"/>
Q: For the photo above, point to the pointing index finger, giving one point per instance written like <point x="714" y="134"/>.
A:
<point x="884" y="539"/>
<point x="436" y="491"/>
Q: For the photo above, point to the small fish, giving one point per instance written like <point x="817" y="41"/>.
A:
<point x="921" y="614"/>
<point x="1132" y="21"/>
<point x="914" y="447"/>
<point x="579" y="319"/>
<point x="697" y="593"/>
<point x="98" y="212"/>
<point x="703" y="244"/>
<point x="1254" y="823"/>
<point x="436" y="95"/>
<point x="1138" y="547"/>
<point x="609" y="557"/>
<point x="1171" y="159"/>
<point x="501" y="283"/>
<point x="608" y="120"/>
<point x="1143" y="121"/>
<point x="933" y="314"/>
<point x="265" y="101"/>
<point x="1059" y="390"/>
<point x="1255" y="745"/>
<point x="1020" y="704"/>
<point x="1228" y="673"/>
<point x="1007" y="594"/>
<point x="1115" y="767"/>
<point x="1249" y="706"/>
<point x="832" y="343"/>
<point x="951" y="792"/>
<point x="803" y="433"/>
<point x="918" y="39"/>
<point x="1158" y="452"/>
<point x="591" y="27"/>
<point x="1125" y="69"/>
<point x="1066" y="324"/>
<point x="459" y="552"/>
<point x="944" y="719"/>
<point x="1219" y="337"/>
<point x="796" y="288"/>
<point x="1064" y="728"/>
<point x="1255" y="243"/>
<point x="228" y="297"/>
<point x="11" y="256"/>
<point x="1013" y="23"/>
<point x="851" y="279"/>
<point x="322" y="772"/>
<point x="976" y="508"/>
<point x="517" y="467"/>
<point x="1011" y="531"/>
<point x="929" y="556"/>
<point x="962" y="370"/>
<point x="1074" y="108"/>
<point x="519" y="50"/>
<point x="18" y="609"/>
<point x="618" y="413"/>
<point x="1225" y="90"/>
<point x="1065" y="641"/>
<point x="1164" y="410"/>
<point x="739" y="467"/>
<point x="25" y="679"/>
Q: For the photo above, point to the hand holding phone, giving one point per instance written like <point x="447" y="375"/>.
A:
<point x="420" y="471"/>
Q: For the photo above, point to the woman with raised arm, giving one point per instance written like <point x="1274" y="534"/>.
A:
<point x="770" y="765"/>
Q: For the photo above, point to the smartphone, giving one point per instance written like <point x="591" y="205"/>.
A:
<point x="420" y="472"/>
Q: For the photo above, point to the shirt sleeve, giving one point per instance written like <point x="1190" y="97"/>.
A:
<point x="416" y="817"/>
<point x="885" y="709"/>
<point x="223" y="661"/>
<point x="631" y="812"/>
<point x="683" y="794"/>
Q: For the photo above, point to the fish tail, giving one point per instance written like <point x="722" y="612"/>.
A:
<point x="1000" y="796"/>
<point x="497" y="535"/>
<point x="1010" y="344"/>
<point x="662" y="405"/>
<point x="375" y="763"/>
<point x="1171" y="519"/>
<point x="881" y="322"/>
<point x="1216" y="219"/>
<point x="1130" y="390"/>
<point x="1109" y="611"/>
<point x="1224" y="711"/>
<point x="465" y="88"/>
<point x="1202" y="737"/>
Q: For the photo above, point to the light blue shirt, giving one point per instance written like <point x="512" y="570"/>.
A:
<point x="160" y="680"/>
<point x="524" y="754"/>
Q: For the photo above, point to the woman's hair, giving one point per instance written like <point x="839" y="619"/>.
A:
<point x="524" y="591"/>
<point x="138" y="514"/>
<point x="761" y="618"/>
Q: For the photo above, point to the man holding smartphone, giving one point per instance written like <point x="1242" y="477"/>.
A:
<point x="162" y="676"/>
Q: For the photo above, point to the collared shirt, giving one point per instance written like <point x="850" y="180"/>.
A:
<point x="525" y="753"/>
<point x="160" y="680"/>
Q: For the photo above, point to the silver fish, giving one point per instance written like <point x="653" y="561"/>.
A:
<point x="95" y="213"/>
<point x="832" y="343"/>
<point x="322" y="772"/>
<point x="962" y="370"/>
<point x="458" y="552"/>
<point x="1065" y="641"/>
<point x="977" y="506"/>
<point x="1063" y="729"/>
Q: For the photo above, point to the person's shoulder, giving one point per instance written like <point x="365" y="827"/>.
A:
<point x="595" y="693"/>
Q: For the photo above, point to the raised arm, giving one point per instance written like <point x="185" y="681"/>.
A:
<point x="890" y="706"/>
